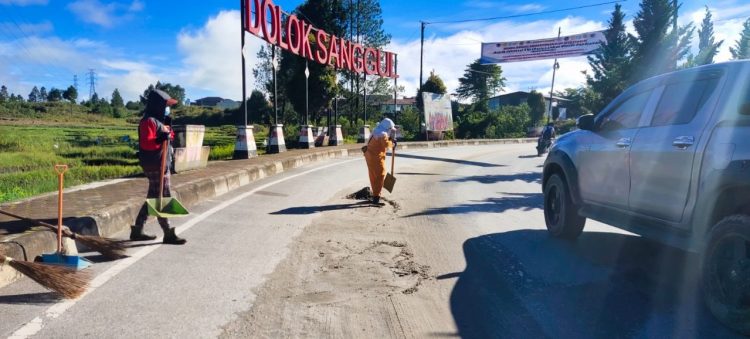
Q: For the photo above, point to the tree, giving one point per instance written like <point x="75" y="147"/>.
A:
<point x="54" y="95"/>
<point x="71" y="94"/>
<point x="258" y="109"/>
<point x="537" y="106"/>
<point x="583" y="100"/>
<point x="94" y="100"/>
<point x="479" y="82"/>
<point x="707" y="45"/>
<point x="330" y="16"/>
<point x="4" y="97"/>
<point x="741" y="49"/>
<point x="433" y="85"/>
<point x="117" y="99"/>
<point x="174" y="91"/>
<point x="365" y="19"/>
<point x="611" y="63"/>
<point x="42" y="94"/>
<point x="34" y="95"/>
<point x="657" y="47"/>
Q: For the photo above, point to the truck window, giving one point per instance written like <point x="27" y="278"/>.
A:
<point x="627" y="114"/>
<point x="681" y="101"/>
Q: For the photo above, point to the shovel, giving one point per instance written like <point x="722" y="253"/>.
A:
<point x="390" y="180"/>
<point x="165" y="207"/>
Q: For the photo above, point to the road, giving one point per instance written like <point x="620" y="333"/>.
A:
<point x="460" y="249"/>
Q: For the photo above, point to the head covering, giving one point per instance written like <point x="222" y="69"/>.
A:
<point x="158" y="101"/>
<point x="384" y="128"/>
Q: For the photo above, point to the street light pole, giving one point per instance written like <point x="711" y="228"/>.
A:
<point x="275" y="64"/>
<point x="307" y="91"/>
<point x="242" y="52"/>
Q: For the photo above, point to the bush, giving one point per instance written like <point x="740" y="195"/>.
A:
<point x="506" y="122"/>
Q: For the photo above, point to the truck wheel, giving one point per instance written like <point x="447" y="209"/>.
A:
<point x="560" y="214"/>
<point x="726" y="273"/>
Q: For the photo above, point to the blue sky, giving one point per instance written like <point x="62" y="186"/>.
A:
<point x="132" y="43"/>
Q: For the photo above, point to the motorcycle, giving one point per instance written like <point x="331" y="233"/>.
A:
<point x="543" y="146"/>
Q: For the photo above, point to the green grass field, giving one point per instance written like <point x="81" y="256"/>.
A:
<point x="28" y="154"/>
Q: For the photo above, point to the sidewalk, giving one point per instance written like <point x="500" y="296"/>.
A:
<point x="108" y="209"/>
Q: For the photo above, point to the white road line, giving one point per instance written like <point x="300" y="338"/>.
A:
<point x="34" y="326"/>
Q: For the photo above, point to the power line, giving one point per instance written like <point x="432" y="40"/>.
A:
<point x="524" y="15"/>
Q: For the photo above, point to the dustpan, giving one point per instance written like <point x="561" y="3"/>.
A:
<point x="170" y="208"/>
<point x="390" y="180"/>
<point x="165" y="207"/>
<point x="60" y="258"/>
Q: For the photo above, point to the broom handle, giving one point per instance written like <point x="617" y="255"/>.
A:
<point x="60" y="169"/>
<point x="164" y="150"/>
<point x="38" y="222"/>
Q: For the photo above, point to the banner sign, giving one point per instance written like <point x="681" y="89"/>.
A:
<point x="554" y="48"/>
<point x="437" y="112"/>
<point x="264" y="19"/>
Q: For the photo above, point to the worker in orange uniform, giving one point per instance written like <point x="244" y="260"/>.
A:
<point x="381" y="140"/>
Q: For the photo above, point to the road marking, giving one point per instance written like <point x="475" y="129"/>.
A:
<point x="34" y="326"/>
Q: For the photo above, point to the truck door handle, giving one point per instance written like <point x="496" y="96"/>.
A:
<point x="623" y="143"/>
<point x="683" y="142"/>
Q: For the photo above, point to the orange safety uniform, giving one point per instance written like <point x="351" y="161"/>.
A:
<point x="375" y="157"/>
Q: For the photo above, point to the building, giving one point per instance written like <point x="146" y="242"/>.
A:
<point x="519" y="98"/>
<point x="217" y="102"/>
<point x="388" y="106"/>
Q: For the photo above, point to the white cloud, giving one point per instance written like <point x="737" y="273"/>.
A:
<point x="25" y="29"/>
<point x="23" y="2"/>
<point x="211" y="62"/>
<point x="449" y="55"/>
<point x="105" y="15"/>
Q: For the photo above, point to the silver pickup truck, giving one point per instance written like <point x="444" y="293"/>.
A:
<point x="668" y="159"/>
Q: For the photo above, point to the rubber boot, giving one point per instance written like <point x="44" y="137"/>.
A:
<point x="136" y="234"/>
<point x="171" y="238"/>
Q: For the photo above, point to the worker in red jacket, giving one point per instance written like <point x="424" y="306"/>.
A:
<point x="152" y="132"/>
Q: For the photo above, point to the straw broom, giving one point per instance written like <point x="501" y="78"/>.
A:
<point x="67" y="282"/>
<point x="112" y="249"/>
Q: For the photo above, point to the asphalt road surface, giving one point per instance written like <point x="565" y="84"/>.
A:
<point x="459" y="249"/>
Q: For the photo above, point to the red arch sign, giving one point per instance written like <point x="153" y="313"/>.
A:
<point x="264" y="19"/>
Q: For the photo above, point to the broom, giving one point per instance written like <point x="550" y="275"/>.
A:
<point x="67" y="282"/>
<point x="109" y="248"/>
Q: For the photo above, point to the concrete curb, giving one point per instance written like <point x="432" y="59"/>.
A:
<point x="118" y="217"/>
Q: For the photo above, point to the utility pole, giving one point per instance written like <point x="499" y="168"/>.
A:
<point x="75" y="81"/>
<point x="421" y="63"/>
<point x="395" y="89"/>
<point x="555" y="66"/>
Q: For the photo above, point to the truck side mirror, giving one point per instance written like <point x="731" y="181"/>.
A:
<point x="585" y="122"/>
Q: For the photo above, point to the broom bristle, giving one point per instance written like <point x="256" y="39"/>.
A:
<point x="109" y="248"/>
<point x="65" y="281"/>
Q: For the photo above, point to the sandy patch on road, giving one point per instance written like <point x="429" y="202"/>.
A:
<point x="349" y="274"/>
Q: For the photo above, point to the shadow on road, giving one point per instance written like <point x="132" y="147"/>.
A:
<point x="40" y="299"/>
<point x="530" y="177"/>
<point x="315" y="209"/>
<point x="455" y="161"/>
<point x="510" y="201"/>
<point x="529" y="156"/>
<point x="524" y="284"/>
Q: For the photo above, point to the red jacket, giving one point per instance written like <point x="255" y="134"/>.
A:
<point x="150" y="138"/>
